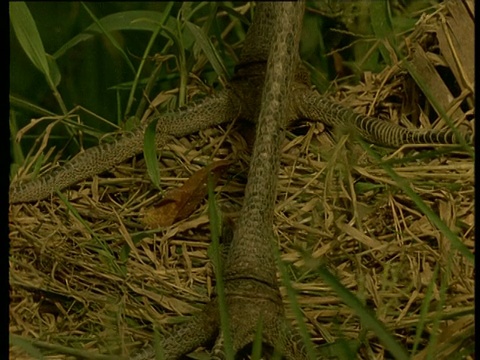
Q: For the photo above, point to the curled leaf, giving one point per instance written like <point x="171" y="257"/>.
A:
<point x="179" y="203"/>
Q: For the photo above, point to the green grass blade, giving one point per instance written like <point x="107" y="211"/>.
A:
<point x="210" y="52"/>
<point x="163" y="20"/>
<point x="215" y="228"/>
<point x="341" y="349"/>
<point x="17" y="153"/>
<point x="231" y="11"/>
<point x="433" y="347"/>
<point x="366" y="317"/>
<point x="140" y="20"/>
<point x="157" y="342"/>
<point x="292" y="297"/>
<point x="150" y="153"/>
<point x="432" y="216"/>
<point x="426" y="303"/>
<point x="103" y="249"/>
<point x="26" y="105"/>
<point x="257" y="342"/>
<point x="53" y="70"/>
<point x="26" y="346"/>
<point x="382" y="27"/>
<point x="181" y="57"/>
<point x="57" y="349"/>
<point x="110" y="37"/>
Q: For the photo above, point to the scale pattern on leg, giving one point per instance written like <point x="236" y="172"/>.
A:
<point x="250" y="271"/>
<point x="201" y="329"/>
<point x="251" y="288"/>
<point x="311" y="105"/>
<point x="212" y="111"/>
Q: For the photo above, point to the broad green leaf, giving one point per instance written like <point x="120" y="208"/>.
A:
<point x="127" y="20"/>
<point x="382" y="27"/>
<point x="28" y="36"/>
<point x="212" y="55"/>
<point x="26" y="346"/>
<point x="150" y="153"/>
<point x="53" y="70"/>
<point x="231" y="11"/>
<point x="113" y="41"/>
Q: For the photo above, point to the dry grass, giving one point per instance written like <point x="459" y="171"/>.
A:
<point x="95" y="279"/>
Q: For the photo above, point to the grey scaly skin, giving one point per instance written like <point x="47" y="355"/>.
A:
<point x="103" y="157"/>
<point x="239" y="100"/>
<point x="251" y="289"/>
<point x="311" y="105"/>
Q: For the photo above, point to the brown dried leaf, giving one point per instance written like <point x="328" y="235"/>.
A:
<point x="179" y="203"/>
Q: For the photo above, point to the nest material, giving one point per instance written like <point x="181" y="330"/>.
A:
<point x="93" y="278"/>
